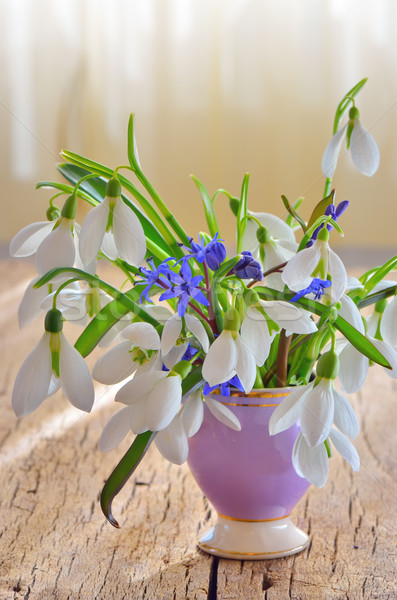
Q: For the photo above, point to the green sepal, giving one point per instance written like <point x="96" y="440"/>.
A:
<point x="53" y="322"/>
<point x="328" y="365"/>
<point x="70" y="207"/>
<point x="319" y="209"/>
<point x="113" y="188"/>
<point x="208" y="207"/>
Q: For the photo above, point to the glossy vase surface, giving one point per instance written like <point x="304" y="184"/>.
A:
<point x="249" y="478"/>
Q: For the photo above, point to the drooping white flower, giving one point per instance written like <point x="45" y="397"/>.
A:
<point x="279" y="248"/>
<point x="173" y="328"/>
<point x="258" y="334"/>
<point x="313" y="262"/>
<point x="139" y="351"/>
<point x="363" y="148"/>
<point x="312" y="463"/>
<point x="153" y="399"/>
<point x="53" y="363"/>
<point x="318" y="405"/>
<point x="113" y="228"/>
<point x="228" y="356"/>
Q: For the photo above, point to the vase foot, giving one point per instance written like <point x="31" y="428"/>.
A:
<point x="253" y="540"/>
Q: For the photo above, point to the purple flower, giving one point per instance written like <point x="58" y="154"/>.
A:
<point x="213" y="253"/>
<point x="185" y="287"/>
<point x="330" y="211"/>
<point x="317" y="287"/>
<point x="152" y="276"/>
<point x="247" y="267"/>
<point x="224" y="387"/>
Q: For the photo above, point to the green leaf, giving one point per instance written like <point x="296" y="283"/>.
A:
<point x="359" y="341"/>
<point x="377" y="296"/>
<point x="208" y="207"/>
<point x="319" y="209"/>
<point x="293" y="212"/>
<point x="242" y="213"/>
<point x="123" y="472"/>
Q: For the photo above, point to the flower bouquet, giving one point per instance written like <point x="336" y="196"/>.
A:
<point x="195" y="324"/>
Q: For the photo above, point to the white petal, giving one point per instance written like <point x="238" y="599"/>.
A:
<point x="297" y="273"/>
<point x="311" y="463"/>
<point x="128" y="234"/>
<point x="75" y="376"/>
<point x="196" y="327"/>
<point x="277" y="228"/>
<point x="30" y="306"/>
<point x="33" y="379"/>
<point x="137" y="414"/>
<point x="163" y="403"/>
<point x="330" y="156"/>
<point x="364" y="151"/>
<point x="138" y="387"/>
<point x="339" y="276"/>
<point x="289" y="410"/>
<point x="388" y="324"/>
<point x="318" y="413"/>
<point x="175" y="355"/>
<point x="114" y="366"/>
<point x="223" y="413"/>
<point x="219" y="364"/>
<point x="26" y="241"/>
<point x="353" y="283"/>
<point x="193" y="414"/>
<point x="390" y="355"/>
<point x="172" y="442"/>
<point x="345" y="418"/>
<point x="171" y="333"/>
<point x="92" y="232"/>
<point x="108" y="246"/>
<point x="351" y="313"/>
<point x="245" y="365"/>
<point x="345" y="449"/>
<point x="158" y="312"/>
<point x="57" y="250"/>
<point x="115" y="430"/>
<point x="255" y="334"/>
<point x="142" y="335"/>
<point x="289" y="316"/>
<point x="353" y="369"/>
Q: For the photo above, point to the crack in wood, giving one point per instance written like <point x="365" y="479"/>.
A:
<point x="213" y="580"/>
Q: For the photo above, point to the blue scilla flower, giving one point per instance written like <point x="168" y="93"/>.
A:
<point x="330" y="211"/>
<point x="317" y="287"/>
<point x="247" y="267"/>
<point x="152" y="276"/>
<point x="213" y="253"/>
<point x="184" y="286"/>
<point x="224" y="387"/>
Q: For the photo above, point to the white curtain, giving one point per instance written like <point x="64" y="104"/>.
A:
<point x="219" y="88"/>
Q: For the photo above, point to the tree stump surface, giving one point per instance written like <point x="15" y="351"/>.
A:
<point x="56" y="543"/>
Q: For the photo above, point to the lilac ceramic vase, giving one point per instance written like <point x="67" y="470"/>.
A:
<point x="248" y="477"/>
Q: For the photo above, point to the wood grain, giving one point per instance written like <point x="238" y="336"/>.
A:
<point x="56" y="544"/>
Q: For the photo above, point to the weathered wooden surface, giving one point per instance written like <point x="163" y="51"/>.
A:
<point x="55" y="542"/>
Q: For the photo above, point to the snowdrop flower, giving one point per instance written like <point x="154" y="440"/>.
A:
<point x="137" y="352"/>
<point x="78" y="305"/>
<point x="354" y="365"/>
<point x="312" y="463"/>
<point x="113" y="228"/>
<point x="388" y="325"/>
<point x="173" y="329"/>
<point x="317" y="405"/>
<point x="263" y="320"/>
<point x="363" y="148"/>
<point x="54" y="362"/>
<point x="316" y="261"/>
<point x="228" y="356"/>
<point x="277" y="242"/>
<point x="52" y="243"/>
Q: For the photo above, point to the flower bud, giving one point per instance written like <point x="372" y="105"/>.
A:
<point x="53" y="321"/>
<point x="262" y="235"/>
<point x="247" y="267"/>
<point x="234" y="204"/>
<point x="53" y="213"/>
<point x="328" y="365"/>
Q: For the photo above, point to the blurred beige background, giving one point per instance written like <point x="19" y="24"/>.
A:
<point x="219" y="88"/>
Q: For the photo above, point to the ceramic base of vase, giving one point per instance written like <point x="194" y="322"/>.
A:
<point x="253" y="540"/>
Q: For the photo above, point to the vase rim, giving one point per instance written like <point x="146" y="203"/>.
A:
<point x="257" y="392"/>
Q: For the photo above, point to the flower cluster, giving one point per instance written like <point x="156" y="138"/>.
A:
<point x="193" y="318"/>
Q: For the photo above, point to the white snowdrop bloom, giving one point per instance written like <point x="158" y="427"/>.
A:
<point x="280" y="247"/>
<point x="173" y="329"/>
<point x="228" y="356"/>
<point x="258" y="334"/>
<point x="312" y="463"/>
<point x="113" y="228"/>
<point x="52" y="363"/>
<point x="138" y="351"/>
<point x="363" y="148"/>
<point x="388" y="325"/>
<point x="304" y="266"/>
<point x="318" y="407"/>
<point x="153" y="399"/>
